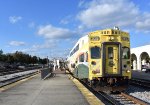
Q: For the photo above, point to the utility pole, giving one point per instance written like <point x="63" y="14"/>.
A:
<point x="47" y="62"/>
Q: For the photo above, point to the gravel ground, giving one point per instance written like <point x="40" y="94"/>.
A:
<point x="139" y="93"/>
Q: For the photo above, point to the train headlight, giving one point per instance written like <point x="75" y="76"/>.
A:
<point x="128" y="71"/>
<point x="93" y="63"/>
<point x="111" y="38"/>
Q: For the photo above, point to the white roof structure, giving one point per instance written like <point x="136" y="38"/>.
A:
<point x="140" y="56"/>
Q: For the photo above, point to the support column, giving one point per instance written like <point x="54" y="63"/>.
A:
<point x="138" y="63"/>
<point x="134" y="65"/>
<point x="143" y="62"/>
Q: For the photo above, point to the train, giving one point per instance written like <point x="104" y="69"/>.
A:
<point x="102" y="59"/>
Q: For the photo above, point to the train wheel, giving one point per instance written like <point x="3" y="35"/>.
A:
<point x="91" y="83"/>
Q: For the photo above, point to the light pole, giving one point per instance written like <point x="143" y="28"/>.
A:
<point x="47" y="62"/>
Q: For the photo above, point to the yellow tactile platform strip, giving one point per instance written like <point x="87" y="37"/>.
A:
<point x="90" y="97"/>
<point x="16" y="83"/>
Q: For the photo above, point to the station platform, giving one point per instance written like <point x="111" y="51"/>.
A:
<point x="140" y="74"/>
<point x="58" y="90"/>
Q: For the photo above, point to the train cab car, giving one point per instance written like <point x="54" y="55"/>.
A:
<point x="102" y="58"/>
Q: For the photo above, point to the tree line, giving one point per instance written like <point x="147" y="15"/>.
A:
<point x="21" y="58"/>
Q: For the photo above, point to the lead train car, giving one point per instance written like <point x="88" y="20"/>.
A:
<point x="102" y="58"/>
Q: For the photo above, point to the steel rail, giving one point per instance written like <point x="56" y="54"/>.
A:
<point x="140" y="82"/>
<point x="105" y="98"/>
<point x="136" y="100"/>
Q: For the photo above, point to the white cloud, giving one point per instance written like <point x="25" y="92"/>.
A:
<point x="51" y="32"/>
<point x="31" y="25"/>
<point x="17" y="43"/>
<point x="46" y="45"/>
<point x="81" y="3"/>
<point x="56" y="53"/>
<point x="53" y="37"/>
<point x="109" y="13"/>
<point x="28" y="50"/>
<point x="64" y="21"/>
<point x="51" y="48"/>
<point x="144" y="23"/>
<point x="14" y="19"/>
<point x="38" y="47"/>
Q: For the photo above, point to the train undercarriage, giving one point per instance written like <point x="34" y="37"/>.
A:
<point x="108" y="83"/>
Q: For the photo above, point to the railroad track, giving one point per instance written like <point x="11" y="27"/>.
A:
<point x="12" y="71"/>
<point x="16" y="78"/>
<point x="117" y="98"/>
<point x="126" y="99"/>
<point x="140" y="82"/>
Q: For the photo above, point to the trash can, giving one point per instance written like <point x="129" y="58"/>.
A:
<point x="45" y="72"/>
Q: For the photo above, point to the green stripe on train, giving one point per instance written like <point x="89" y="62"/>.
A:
<point x="81" y="71"/>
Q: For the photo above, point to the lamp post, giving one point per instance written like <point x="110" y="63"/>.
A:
<point x="47" y="62"/>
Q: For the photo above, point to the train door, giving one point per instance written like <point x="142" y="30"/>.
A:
<point x="112" y="59"/>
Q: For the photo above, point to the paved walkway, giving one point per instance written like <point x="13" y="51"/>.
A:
<point x="54" y="91"/>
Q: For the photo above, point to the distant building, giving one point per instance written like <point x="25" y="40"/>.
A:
<point x="58" y="63"/>
<point x="140" y="57"/>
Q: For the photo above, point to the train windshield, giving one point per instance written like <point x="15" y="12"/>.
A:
<point x="95" y="52"/>
<point x="126" y="53"/>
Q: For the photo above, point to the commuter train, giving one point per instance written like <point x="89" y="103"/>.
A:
<point x="102" y="59"/>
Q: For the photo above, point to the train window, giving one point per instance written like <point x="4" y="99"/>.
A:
<point x="95" y="52"/>
<point x="81" y="58"/>
<point x="126" y="53"/>
<point x="110" y="52"/>
<point x="107" y="32"/>
<point x="112" y="32"/>
<point x="76" y="60"/>
<point x="74" y="50"/>
<point x="86" y="55"/>
<point x="82" y="42"/>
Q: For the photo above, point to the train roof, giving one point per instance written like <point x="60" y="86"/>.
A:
<point x="79" y="41"/>
<point x="110" y="32"/>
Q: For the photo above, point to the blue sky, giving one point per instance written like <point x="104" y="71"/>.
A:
<point x="51" y="27"/>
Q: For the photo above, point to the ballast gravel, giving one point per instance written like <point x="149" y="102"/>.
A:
<point x="139" y="93"/>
